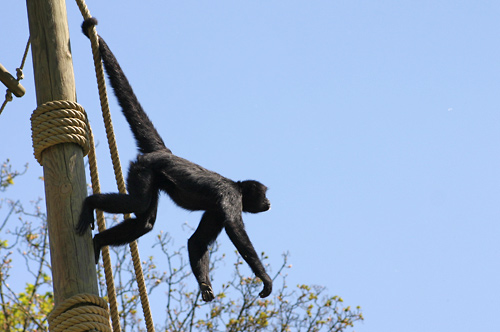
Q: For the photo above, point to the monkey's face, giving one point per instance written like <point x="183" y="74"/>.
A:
<point x="254" y="197"/>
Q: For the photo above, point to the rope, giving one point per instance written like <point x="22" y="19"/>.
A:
<point x="81" y="312"/>
<point x="118" y="175"/>
<point x="101" y="225"/>
<point x="58" y="122"/>
<point x="20" y="76"/>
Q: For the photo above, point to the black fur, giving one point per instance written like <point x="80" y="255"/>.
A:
<point x="189" y="185"/>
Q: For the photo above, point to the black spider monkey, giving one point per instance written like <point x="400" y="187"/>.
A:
<point x="189" y="185"/>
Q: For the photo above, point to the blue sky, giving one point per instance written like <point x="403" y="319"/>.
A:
<point x="374" y="123"/>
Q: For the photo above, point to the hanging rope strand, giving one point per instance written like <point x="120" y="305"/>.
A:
<point x="23" y="61"/>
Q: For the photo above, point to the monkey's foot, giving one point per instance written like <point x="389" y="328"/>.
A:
<point x="206" y="292"/>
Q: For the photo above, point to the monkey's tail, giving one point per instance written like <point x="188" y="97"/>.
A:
<point x="147" y="137"/>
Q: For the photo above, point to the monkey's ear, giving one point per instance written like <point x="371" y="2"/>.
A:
<point x="87" y="24"/>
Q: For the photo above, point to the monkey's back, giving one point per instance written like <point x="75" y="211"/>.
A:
<point x="189" y="185"/>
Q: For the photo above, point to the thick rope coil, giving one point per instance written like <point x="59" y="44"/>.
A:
<point x="58" y="122"/>
<point x="80" y="313"/>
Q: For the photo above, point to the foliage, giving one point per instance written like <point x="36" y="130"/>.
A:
<point x="25" y="310"/>
<point x="237" y="307"/>
<point x="7" y="175"/>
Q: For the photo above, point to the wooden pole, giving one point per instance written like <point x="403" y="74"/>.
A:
<point x="11" y="83"/>
<point x="72" y="259"/>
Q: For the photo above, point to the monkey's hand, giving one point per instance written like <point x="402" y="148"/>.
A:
<point x="268" y="286"/>
<point x="86" y="220"/>
<point x="87" y="24"/>
<point x="207" y="293"/>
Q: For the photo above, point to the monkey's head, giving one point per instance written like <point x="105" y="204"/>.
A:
<point x="254" y="196"/>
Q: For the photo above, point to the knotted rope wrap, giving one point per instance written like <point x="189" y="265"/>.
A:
<point x="81" y="312"/>
<point x="59" y="122"/>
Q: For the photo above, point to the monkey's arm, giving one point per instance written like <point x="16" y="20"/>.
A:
<point x="235" y="229"/>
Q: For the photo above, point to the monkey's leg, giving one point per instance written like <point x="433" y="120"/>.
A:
<point x="209" y="228"/>
<point x="127" y="231"/>
<point x="140" y="185"/>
